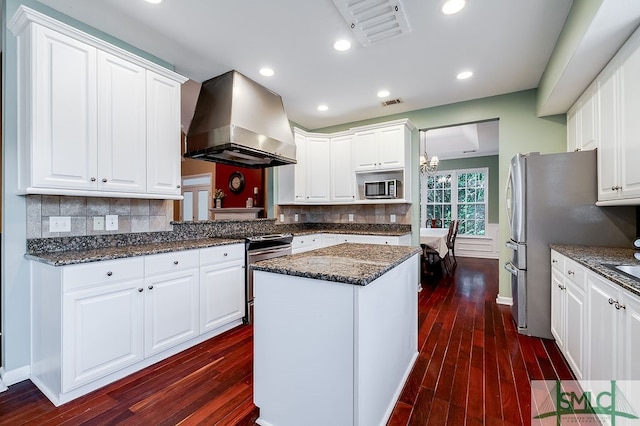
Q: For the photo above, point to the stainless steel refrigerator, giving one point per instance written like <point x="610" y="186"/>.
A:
<point x="550" y="199"/>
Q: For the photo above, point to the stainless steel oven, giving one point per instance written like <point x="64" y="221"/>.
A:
<point x="259" y="248"/>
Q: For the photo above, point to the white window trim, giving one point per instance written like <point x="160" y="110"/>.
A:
<point x="454" y="196"/>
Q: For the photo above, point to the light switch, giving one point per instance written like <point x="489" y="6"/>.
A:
<point x="350" y="217"/>
<point x="111" y="222"/>
<point x="281" y="217"/>
<point x="59" y="224"/>
<point x="295" y="217"/>
<point x="393" y="218"/>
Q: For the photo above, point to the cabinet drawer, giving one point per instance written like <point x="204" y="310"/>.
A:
<point x="169" y="262"/>
<point x="574" y="272"/>
<point x="221" y="254"/>
<point x="557" y="261"/>
<point x="88" y="274"/>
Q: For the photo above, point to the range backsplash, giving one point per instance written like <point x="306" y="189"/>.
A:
<point x="362" y="213"/>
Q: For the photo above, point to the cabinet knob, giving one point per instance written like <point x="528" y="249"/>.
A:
<point x="93" y="179"/>
<point x="226" y="254"/>
<point x="178" y="186"/>
<point x="140" y="290"/>
<point x="554" y="261"/>
<point x="570" y="272"/>
<point x="577" y="150"/>
<point x="175" y="262"/>
<point x="620" y="306"/>
<point x="150" y="287"/>
<point x="611" y="301"/>
<point x="109" y="273"/>
<point x="104" y="180"/>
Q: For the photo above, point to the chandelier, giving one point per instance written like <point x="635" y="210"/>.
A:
<point x="427" y="165"/>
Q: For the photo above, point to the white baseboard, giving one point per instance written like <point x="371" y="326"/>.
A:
<point x="501" y="300"/>
<point x="14" y="376"/>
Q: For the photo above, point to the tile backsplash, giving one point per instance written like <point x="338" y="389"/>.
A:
<point x="134" y="215"/>
<point x="362" y="213"/>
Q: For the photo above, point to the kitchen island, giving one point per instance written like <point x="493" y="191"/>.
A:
<point x="335" y="334"/>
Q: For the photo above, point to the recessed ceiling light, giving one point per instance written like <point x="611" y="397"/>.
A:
<point x="464" y="75"/>
<point x="342" y="45"/>
<point x="452" y="6"/>
<point x="267" y="72"/>
<point x="383" y="93"/>
<point x="322" y="107"/>
<point x="154" y="1"/>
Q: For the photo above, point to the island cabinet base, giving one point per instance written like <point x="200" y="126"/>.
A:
<point x="329" y="353"/>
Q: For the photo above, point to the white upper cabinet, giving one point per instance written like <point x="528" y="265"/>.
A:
<point x="122" y="133"/>
<point x="318" y="169"/>
<point x="618" y="127"/>
<point x="93" y="119"/>
<point x="380" y="148"/>
<point x="342" y="176"/>
<point x="163" y="135"/>
<point x="57" y="112"/>
<point x="300" y="170"/>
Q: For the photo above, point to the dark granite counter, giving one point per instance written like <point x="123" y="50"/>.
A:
<point x="349" y="263"/>
<point x="61" y="258"/>
<point x="593" y="258"/>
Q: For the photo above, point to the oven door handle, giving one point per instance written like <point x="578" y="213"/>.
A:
<point x="286" y="248"/>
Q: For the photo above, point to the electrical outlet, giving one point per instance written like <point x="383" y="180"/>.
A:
<point x="111" y="222"/>
<point x="393" y="218"/>
<point x="59" y="224"/>
<point x="295" y="217"/>
<point x="98" y="223"/>
<point x="281" y="217"/>
<point x="350" y="217"/>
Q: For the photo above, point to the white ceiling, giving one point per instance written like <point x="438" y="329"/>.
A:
<point x="506" y="43"/>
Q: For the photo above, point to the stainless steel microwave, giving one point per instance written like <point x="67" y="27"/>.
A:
<point x="382" y="189"/>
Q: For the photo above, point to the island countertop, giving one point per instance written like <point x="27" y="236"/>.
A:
<point x="349" y="263"/>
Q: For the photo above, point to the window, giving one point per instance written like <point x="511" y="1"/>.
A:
<point x="460" y="194"/>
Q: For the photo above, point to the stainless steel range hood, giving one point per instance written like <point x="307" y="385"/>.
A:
<point x="239" y="122"/>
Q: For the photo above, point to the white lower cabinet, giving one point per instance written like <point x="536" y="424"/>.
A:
<point x="596" y="323"/>
<point x="568" y="314"/>
<point x="302" y="243"/>
<point x="222" y="298"/>
<point x="171" y="300"/>
<point x="97" y="322"/>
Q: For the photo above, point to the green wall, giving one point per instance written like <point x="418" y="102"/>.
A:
<point x="520" y="130"/>
<point x="492" y="163"/>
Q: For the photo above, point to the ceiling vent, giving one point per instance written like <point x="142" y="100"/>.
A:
<point x="392" y="102"/>
<point x="374" y="20"/>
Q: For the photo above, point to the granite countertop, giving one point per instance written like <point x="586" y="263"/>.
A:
<point x="62" y="258"/>
<point x="349" y="263"/>
<point x="593" y="258"/>
<point x="349" y="232"/>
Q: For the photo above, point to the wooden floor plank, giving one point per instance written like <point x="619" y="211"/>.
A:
<point x="473" y="368"/>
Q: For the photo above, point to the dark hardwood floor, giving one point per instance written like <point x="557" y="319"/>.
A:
<point x="473" y="368"/>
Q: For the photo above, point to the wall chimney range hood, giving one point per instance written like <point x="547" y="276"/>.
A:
<point x="241" y="123"/>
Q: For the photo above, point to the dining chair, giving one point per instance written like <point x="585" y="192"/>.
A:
<point x="431" y="260"/>
<point x="450" y="258"/>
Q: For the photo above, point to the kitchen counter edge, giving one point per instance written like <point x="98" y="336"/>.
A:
<point x="593" y="258"/>
<point x="64" y="258"/>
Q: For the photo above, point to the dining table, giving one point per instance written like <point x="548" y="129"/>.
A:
<point x="436" y="238"/>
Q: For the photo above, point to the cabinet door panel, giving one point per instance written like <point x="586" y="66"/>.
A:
<point x="64" y="112"/>
<point x="587" y="135"/>
<point x="572" y="129"/>
<point x="608" y="134"/>
<point x="603" y="325"/>
<point x="391" y="147"/>
<point x="630" y="125"/>
<point x="557" y="308"/>
<point x="222" y="297"/>
<point x="318" y="168"/>
<point x="102" y="331"/>
<point x="121" y="125"/>
<point x="630" y="369"/>
<point x="342" y="174"/>
<point x="163" y="135"/>
<point x="365" y="151"/>
<point x="171" y="310"/>
<point x="575" y="329"/>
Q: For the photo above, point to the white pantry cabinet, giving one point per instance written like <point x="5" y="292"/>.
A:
<point x="93" y="119"/>
<point x="222" y="286"/>
<point x="618" y="108"/>
<point x="172" y="297"/>
<point x="568" y="310"/>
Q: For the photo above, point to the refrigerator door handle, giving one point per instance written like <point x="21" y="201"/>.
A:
<point x="513" y="246"/>
<point x="510" y="268"/>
